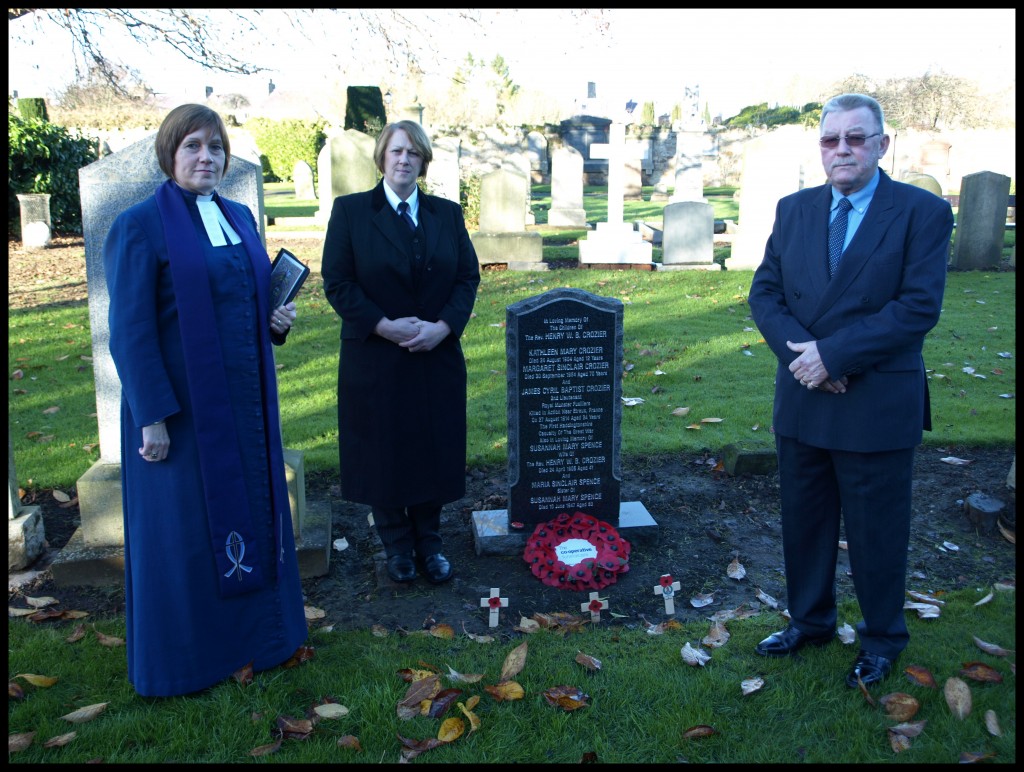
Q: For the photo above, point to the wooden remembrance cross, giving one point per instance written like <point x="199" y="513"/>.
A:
<point x="495" y="604"/>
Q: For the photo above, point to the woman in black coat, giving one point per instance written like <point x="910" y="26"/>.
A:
<point x="401" y="272"/>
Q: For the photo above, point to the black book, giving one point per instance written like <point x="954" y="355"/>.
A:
<point x="286" y="277"/>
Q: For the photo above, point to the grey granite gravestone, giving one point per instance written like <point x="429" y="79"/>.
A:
<point x="26" y="536"/>
<point x="567" y="189"/>
<point x="94" y="554"/>
<point x="503" y="237"/>
<point x="980" y="221"/>
<point x="688" y="238"/>
<point x="345" y="165"/>
<point x="302" y="176"/>
<point x="564" y="355"/>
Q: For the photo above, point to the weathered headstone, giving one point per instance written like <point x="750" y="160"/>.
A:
<point x="94" y="555"/>
<point x="689" y="174"/>
<point x="503" y="237"/>
<point x="980" y="221"/>
<point x="520" y="164"/>
<point x="771" y="170"/>
<point x="345" y="165"/>
<point x="443" y="172"/>
<point x="564" y="355"/>
<point x="615" y="241"/>
<point x="302" y="176"/>
<point x="567" y="189"/>
<point x="537" y="152"/>
<point x="688" y="237"/>
<point x="26" y="536"/>
<point x="35" y="219"/>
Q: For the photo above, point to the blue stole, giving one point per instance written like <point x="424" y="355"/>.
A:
<point x="227" y="500"/>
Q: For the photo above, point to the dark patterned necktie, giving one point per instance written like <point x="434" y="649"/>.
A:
<point x="403" y="212"/>
<point x="837" y="235"/>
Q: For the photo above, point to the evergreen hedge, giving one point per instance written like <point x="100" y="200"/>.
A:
<point x="283" y="143"/>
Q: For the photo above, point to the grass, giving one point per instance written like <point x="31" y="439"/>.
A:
<point x="639" y="703"/>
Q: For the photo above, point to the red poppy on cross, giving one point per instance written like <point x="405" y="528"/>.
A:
<point x="495" y="604"/>
<point x="667" y="589"/>
<point x="595" y="606"/>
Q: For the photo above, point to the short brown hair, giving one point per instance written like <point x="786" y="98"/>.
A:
<point x="417" y="136"/>
<point x="179" y="123"/>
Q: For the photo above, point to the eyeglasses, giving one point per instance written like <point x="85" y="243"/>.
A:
<point x="853" y="140"/>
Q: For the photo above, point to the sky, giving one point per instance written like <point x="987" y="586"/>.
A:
<point x="736" y="57"/>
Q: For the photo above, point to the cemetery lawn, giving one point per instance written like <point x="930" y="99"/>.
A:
<point x="644" y="697"/>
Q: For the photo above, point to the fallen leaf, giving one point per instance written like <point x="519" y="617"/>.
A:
<point x="444" y="631"/>
<point x="979" y="671"/>
<point x="527" y="625"/>
<point x="992" y="723"/>
<point x="350" y="741"/>
<point x="107" y="640"/>
<point x="441" y="702"/>
<point x="590" y="663"/>
<point x="985" y="600"/>
<point x="514" y="662"/>
<point x="379" y="631"/>
<point x="991" y="648"/>
<point x="341" y="544"/>
<point x="566" y="697"/>
<point x="331" y="710"/>
<point x="467" y="711"/>
<point x="898" y="742"/>
<point x="681" y="411"/>
<point x="294" y="728"/>
<point x="88" y="713"/>
<point x="958" y="697"/>
<point x="20" y="612"/>
<point x="244" y="674"/>
<point x="954" y="461"/>
<point x="925" y="598"/>
<point x="920" y="676"/>
<point x="766" y="599"/>
<point x="19" y="742"/>
<point x="451" y="729"/>
<point x="631" y="401"/>
<point x="14" y="691"/>
<point x="312" y="612"/>
<point x="717" y="636"/>
<point x="846" y="634"/>
<point x="38" y="680"/>
<point x="61" y="495"/>
<point x="909" y="728"/>
<point x="751" y="685"/>
<point x="696" y="732"/>
<point x="711" y="420"/>
<point x="51" y="410"/>
<point x="506" y="690"/>
<point x="736" y="569"/>
<point x="694" y="657"/>
<point x="700" y="600"/>
<point x="457" y="677"/>
<point x="900" y="706"/>
<point x="60" y="740"/>
<point x="969" y="757"/>
<point x="42" y="602"/>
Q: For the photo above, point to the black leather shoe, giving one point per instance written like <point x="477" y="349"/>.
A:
<point x="436" y="568"/>
<point x="401" y="568"/>
<point x="790" y="641"/>
<point x="871" y="668"/>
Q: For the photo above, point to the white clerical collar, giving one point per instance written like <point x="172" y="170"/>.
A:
<point x="215" y="222"/>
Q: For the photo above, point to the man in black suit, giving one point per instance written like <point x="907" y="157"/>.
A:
<point x="401" y="272"/>
<point x="851" y="395"/>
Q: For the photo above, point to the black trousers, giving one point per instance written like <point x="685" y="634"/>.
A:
<point x="403" y="530"/>
<point x="871" y="494"/>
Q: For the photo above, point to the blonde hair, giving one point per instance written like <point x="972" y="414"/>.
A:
<point x="416" y="135"/>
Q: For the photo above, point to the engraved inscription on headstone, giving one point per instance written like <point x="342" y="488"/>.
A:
<point x="564" y="351"/>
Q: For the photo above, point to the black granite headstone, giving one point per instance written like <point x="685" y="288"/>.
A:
<point x="564" y="351"/>
<point x="582" y="131"/>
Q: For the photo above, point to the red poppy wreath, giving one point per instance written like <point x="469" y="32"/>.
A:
<point x="576" y="552"/>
